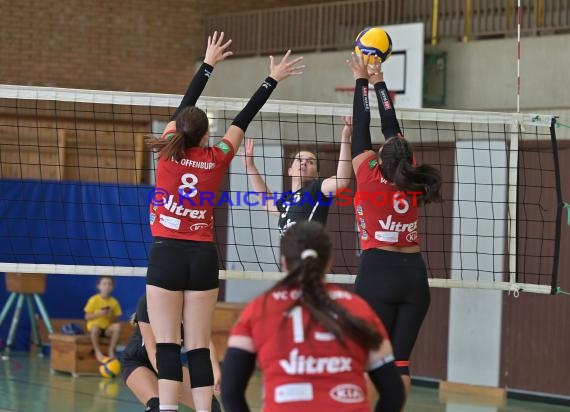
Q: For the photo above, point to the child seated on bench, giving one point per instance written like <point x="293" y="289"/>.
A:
<point x="102" y="312"/>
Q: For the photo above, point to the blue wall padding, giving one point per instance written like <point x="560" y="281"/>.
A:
<point x="73" y="223"/>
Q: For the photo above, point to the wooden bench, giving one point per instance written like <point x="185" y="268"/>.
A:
<point x="74" y="354"/>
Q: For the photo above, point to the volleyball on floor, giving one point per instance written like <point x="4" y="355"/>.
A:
<point x="110" y="368"/>
<point x="375" y="42"/>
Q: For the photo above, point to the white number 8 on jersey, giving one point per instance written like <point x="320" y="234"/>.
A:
<point x="191" y="185"/>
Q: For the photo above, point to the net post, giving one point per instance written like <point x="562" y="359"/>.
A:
<point x="559" y="208"/>
<point x="512" y="200"/>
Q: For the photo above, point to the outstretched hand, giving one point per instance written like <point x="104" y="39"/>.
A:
<point x="216" y="50"/>
<point x="375" y="73"/>
<point x="246" y="155"/>
<point x="285" y="68"/>
<point x="347" y="129"/>
<point x="359" y="65"/>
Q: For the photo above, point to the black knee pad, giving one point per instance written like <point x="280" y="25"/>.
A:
<point x="200" y="368"/>
<point x="168" y="361"/>
<point x="389" y="383"/>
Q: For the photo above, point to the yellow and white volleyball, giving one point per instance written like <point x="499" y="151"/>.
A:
<point x="110" y="368"/>
<point x="375" y="42"/>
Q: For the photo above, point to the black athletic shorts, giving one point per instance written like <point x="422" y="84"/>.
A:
<point x="102" y="332"/>
<point x="183" y="265"/>
<point x="129" y="364"/>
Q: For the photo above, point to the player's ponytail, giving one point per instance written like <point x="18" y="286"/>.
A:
<point x="306" y="248"/>
<point x="191" y="126"/>
<point x="397" y="166"/>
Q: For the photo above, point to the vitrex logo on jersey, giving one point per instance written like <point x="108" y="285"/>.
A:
<point x="347" y="393"/>
<point x="309" y="365"/>
<point x="390" y="225"/>
<point x="180" y="210"/>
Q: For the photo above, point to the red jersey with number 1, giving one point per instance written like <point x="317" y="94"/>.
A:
<point x="184" y="198"/>
<point x="385" y="215"/>
<point x="306" y="369"/>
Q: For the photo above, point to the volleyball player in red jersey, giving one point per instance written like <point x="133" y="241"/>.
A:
<point x="182" y="277"/>
<point x="392" y="276"/>
<point x="313" y="341"/>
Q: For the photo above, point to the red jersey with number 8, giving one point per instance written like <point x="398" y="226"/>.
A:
<point x="307" y="369"/>
<point x="385" y="215"/>
<point x="181" y="205"/>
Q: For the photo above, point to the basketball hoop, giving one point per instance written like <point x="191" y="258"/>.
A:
<point x="345" y="94"/>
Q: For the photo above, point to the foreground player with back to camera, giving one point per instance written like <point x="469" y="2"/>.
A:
<point x="313" y="341"/>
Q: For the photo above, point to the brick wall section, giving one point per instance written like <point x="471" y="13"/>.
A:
<point x="131" y="45"/>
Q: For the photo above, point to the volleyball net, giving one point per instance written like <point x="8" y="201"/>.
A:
<point x="76" y="181"/>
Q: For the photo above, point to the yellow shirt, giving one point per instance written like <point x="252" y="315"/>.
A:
<point x="98" y="302"/>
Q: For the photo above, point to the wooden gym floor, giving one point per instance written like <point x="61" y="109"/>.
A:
<point x="26" y="385"/>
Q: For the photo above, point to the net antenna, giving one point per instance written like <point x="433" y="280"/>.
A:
<point x="75" y="179"/>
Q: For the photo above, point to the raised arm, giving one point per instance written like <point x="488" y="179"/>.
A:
<point x="361" y="146"/>
<point x="216" y="51"/>
<point x="390" y="125"/>
<point x="278" y="72"/>
<point x="255" y="178"/>
<point x="344" y="169"/>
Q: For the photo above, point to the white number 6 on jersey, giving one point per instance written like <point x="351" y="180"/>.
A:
<point x="401" y="204"/>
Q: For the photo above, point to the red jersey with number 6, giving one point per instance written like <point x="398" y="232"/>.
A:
<point x="307" y="369"/>
<point x="181" y="205"/>
<point x="385" y="215"/>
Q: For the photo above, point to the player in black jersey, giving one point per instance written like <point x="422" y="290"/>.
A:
<point x="310" y="195"/>
<point x="139" y="365"/>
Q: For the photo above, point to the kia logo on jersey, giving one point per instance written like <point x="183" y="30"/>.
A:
<point x="347" y="393"/>
<point x="197" y="226"/>
<point x="412" y="236"/>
